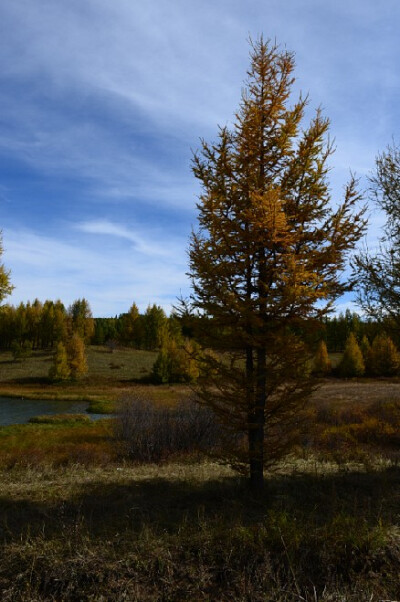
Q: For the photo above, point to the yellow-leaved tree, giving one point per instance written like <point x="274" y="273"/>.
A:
<point x="322" y="364"/>
<point x="266" y="260"/>
<point x="6" y="287"/>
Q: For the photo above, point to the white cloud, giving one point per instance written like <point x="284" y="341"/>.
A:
<point x="154" y="244"/>
<point x="108" y="276"/>
<point x="112" y="96"/>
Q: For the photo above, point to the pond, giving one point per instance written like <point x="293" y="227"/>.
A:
<point x="14" y="410"/>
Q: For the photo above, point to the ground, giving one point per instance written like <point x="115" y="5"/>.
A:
<point x="81" y="520"/>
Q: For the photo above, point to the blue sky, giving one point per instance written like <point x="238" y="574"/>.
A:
<point x="102" y="103"/>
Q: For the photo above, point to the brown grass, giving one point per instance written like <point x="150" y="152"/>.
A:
<point x="193" y="532"/>
<point x="109" y="375"/>
<point x="80" y="522"/>
<point x="335" y="392"/>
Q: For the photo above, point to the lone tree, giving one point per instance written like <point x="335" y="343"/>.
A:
<point x="266" y="260"/>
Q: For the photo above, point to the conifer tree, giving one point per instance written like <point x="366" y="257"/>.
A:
<point x="384" y="357"/>
<point x="266" y="259"/>
<point x="59" y="369"/>
<point x="322" y="363"/>
<point x="76" y="357"/>
<point x="366" y="351"/>
<point x="352" y="363"/>
<point x="155" y="323"/>
<point x="82" y="319"/>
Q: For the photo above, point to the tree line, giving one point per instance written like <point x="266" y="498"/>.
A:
<point x="41" y="325"/>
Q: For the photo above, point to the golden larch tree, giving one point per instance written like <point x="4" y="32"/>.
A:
<point x="76" y="357"/>
<point x="266" y="260"/>
<point x="322" y="364"/>
<point x="352" y="362"/>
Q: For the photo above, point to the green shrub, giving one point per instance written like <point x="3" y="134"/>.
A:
<point x="101" y="406"/>
<point x="21" y="351"/>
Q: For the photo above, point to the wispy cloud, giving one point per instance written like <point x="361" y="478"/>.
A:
<point x="156" y="243"/>
<point x="108" y="276"/>
<point x="108" y="98"/>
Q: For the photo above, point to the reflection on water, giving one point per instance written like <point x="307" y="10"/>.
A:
<point x="19" y="410"/>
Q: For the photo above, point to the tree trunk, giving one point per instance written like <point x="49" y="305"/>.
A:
<point x="256" y="426"/>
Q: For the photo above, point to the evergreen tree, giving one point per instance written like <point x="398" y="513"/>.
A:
<point x="352" y="363"/>
<point x="155" y="322"/>
<point x="266" y="259"/>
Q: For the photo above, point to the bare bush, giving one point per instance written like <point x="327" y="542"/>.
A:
<point x="151" y="433"/>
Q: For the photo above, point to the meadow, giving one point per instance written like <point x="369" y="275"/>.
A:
<point x="110" y="373"/>
<point x="82" y="519"/>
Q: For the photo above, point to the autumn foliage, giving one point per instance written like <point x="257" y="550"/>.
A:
<point x="266" y="259"/>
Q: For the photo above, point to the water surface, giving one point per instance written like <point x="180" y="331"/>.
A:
<point x="14" y="410"/>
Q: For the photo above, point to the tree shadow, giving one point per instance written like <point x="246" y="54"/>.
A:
<point x="165" y="504"/>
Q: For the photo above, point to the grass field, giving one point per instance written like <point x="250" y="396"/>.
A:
<point x="80" y="520"/>
<point x="185" y="531"/>
<point x="108" y="375"/>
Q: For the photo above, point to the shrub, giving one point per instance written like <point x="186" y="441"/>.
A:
<point x="383" y="358"/>
<point x="21" y="351"/>
<point x="352" y="363"/>
<point x="151" y="433"/>
<point x="322" y="363"/>
<point x="101" y="406"/>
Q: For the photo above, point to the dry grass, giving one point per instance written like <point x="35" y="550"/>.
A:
<point x="78" y="521"/>
<point x="57" y="442"/>
<point x="337" y="393"/>
<point x="109" y="375"/>
<point x="193" y="532"/>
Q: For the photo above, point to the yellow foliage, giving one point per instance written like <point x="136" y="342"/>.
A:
<point x="383" y="358"/>
<point x="352" y="363"/>
<point x="322" y="363"/>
